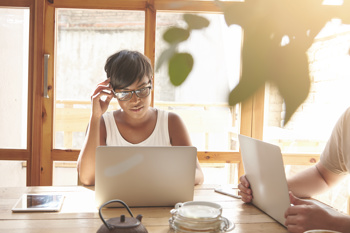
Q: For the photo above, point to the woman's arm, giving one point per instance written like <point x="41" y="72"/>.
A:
<point x="180" y="137"/>
<point x="86" y="160"/>
<point x="95" y="135"/>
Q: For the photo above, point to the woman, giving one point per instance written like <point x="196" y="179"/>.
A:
<point x="135" y="123"/>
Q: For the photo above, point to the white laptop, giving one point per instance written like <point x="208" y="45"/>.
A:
<point x="145" y="176"/>
<point x="263" y="166"/>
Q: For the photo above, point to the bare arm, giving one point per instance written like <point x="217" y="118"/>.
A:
<point x="94" y="137"/>
<point x="307" y="183"/>
<point x="179" y="137"/>
<point x="312" y="181"/>
<point x="86" y="160"/>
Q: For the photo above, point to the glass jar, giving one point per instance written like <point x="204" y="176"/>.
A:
<point x="199" y="216"/>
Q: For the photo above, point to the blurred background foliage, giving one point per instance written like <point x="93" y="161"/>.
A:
<point x="277" y="35"/>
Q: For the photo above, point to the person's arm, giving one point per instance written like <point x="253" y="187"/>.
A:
<point x="305" y="184"/>
<point x="180" y="137"/>
<point x="305" y="215"/>
<point x="312" y="181"/>
<point x="86" y="160"/>
<point x="94" y="137"/>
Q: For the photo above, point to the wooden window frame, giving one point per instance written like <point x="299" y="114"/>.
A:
<point x="150" y="7"/>
<point x="32" y="154"/>
<point x="40" y="154"/>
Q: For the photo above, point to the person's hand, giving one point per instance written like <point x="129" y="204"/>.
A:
<point x="305" y="215"/>
<point x="101" y="98"/>
<point x="244" y="189"/>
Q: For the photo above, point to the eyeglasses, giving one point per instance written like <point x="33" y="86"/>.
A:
<point x="127" y="95"/>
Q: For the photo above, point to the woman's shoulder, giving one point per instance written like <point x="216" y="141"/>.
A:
<point x="172" y="116"/>
<point x="175" y="120"/>
<point x="110" y="116"/>
<point x="177" y="130"/>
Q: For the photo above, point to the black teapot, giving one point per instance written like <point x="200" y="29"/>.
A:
<point x="121" y="224"/>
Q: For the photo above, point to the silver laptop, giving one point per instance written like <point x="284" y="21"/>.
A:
<point x="145" y="176"/>
<point x="263" y="166"/>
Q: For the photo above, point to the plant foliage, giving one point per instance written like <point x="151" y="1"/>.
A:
<point x="264" y="57"/>
<point x="180" y="64"/>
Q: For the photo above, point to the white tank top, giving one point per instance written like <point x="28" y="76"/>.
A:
<point x="159" y="136"/>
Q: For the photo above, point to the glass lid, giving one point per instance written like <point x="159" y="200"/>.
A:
<point x="199" y="211"/>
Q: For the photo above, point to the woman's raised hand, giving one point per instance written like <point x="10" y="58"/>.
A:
<point x="101" y="98"/>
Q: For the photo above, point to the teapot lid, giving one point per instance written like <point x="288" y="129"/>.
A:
<point x="124" y="222"/>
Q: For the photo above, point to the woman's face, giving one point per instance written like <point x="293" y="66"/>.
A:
<point x="137" y="106"/>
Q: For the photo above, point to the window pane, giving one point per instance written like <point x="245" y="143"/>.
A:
<point x="85" y="39"/>
<point x="65" y="173"/>
<point x="14" y="42"/>
<point x="13" y="173"/>
<point x="202" y="100"/>
<point x="311" y="126"/>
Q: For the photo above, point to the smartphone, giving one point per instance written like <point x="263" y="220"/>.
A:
<point x="233" y="192"/>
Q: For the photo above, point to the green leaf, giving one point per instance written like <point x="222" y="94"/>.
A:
<point x="176" y="35"/>
<point x="165" y="56"/>
<point x="292" y="78"/>
<point x="286" y="67"/>
<point x="196" y="22"/>
<point x="180" y="65"/>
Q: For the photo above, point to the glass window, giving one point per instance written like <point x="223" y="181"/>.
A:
<point x="202" y="100"/>
<point x="311" y="126"/>
<point x="65" y="173"/>
<point x="85" y="39"/>
<point x="17" y="171"/>
<point x="14" y="42"/>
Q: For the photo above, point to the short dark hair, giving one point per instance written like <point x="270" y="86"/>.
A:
<point x="126" y="67"/>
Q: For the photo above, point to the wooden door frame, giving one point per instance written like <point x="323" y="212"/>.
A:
<point x="34" y="165"/>
<point x="40" y="154"/>
<point x="150" y="7"/>
<point x="32" y="154"/>
<point x="46" y="174"/>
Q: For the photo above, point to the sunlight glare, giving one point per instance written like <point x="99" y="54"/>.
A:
<point x="333" y="2"/>
<point x="285" y="40"/>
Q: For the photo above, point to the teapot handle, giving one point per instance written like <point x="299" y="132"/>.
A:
<point x="109" y="202"/>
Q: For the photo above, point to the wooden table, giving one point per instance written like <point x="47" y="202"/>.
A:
<point x="79" y="213"/>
